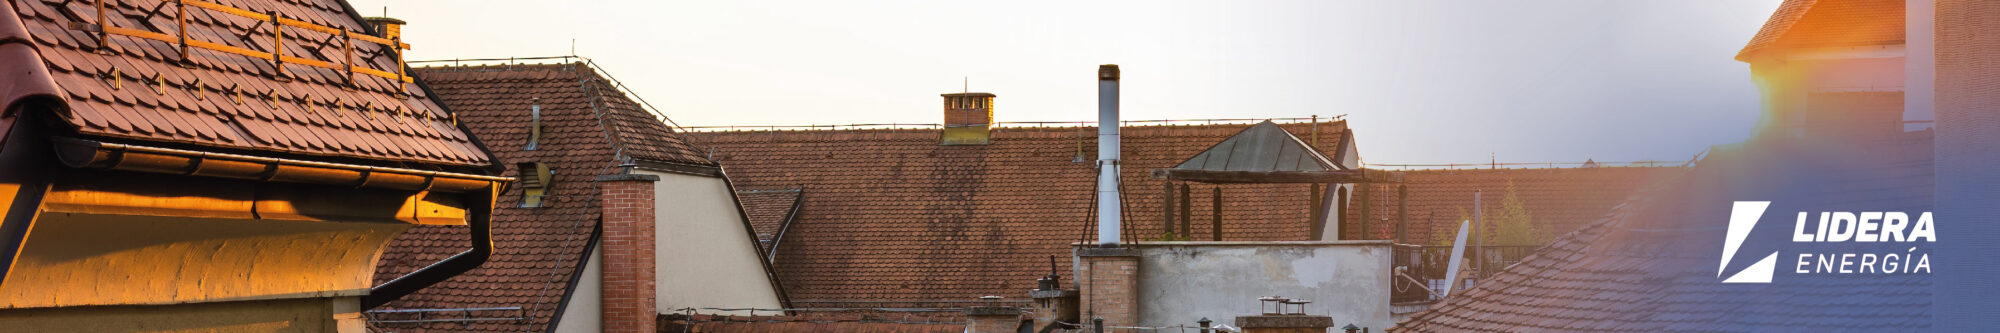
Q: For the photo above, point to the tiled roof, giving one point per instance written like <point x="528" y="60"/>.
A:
<point x="1558" y="200"/>
<point x="1650" y="265"/>
<point x="613" y="114"/>
<point x="540" y="248"/>
<point x="866" y="323"/>
<point x="768" y="211"/>
<point x="1829" y="23"/>
<point x="892" y="215"/>
<point x="1262" y="147"/>
<point x="232" y="101"/>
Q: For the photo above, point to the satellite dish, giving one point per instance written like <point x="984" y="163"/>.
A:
<point x="1457" y="255"/>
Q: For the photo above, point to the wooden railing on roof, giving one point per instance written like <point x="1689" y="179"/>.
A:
<point x="277" y="22"/>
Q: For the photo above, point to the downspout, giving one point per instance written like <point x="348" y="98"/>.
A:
<point x="480" y="218"/>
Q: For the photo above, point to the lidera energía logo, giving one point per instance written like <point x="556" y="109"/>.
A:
<point x="1834" y="227"/>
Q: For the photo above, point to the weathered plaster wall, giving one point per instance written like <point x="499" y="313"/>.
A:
<point x="286" y="315"/>
<point x="706" y="259"/>
<point x="89" y="259"/>
<point x="1181" y="282"/>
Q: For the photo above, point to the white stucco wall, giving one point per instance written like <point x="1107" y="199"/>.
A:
<point x="1788" y="81"/>
<point x="1920" y="63"/>
<point x="585" y="311"/>
<point x="1181" y="282"/>
<point x="705" y="256"/>
<point x="1330" y="226"/>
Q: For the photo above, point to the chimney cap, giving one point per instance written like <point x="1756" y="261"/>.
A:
<point x="969" y="94"/>
<point x="384" y="19"/>
<point x="1107" y="72"/>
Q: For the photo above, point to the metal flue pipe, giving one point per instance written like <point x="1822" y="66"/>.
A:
<point x="1108" y="206"/>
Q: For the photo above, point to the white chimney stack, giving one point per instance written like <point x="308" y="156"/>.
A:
<point x="1108" y="207"/>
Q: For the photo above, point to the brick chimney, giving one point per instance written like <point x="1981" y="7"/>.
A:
<point x="386" y="27"/>
<point x="1053" y="305"/>
<point x="968" y="117"/>
<point x="629" y="295"/>
<point x="1107" y="279"/>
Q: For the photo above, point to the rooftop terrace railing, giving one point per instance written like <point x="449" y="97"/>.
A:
<point x="1427" y="265"/>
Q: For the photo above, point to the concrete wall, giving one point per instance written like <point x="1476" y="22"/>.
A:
<point x="705" y="256"/>
<point x="1181" y="282"/>
<point x="586" y="304"/>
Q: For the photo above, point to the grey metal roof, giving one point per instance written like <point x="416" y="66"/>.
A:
<point x="1262" y="147"/>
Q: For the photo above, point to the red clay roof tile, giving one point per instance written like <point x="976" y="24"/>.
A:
<point x="1557" y="200"/>
<point x="539" y="248"/>
<point x="184" y="110"/>
<point x="892" y="215"/>
<point x="1829" y="23"/>
<point x="1646" y="265"/>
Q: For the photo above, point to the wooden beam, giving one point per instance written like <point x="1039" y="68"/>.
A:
<point x="1167" y="209"/>
<point x="1271" y="177"/>
<point x="1402" y="213"/>
<point x="1218" y="214"/>
<point x="1187" y="211"/>
<point x="1317" y="219"/>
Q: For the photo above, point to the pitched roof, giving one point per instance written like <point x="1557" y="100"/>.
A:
<point x="891" y="215"/>
<point x="139" y="89"/>
<point x="814" y="322"/>
<point x="506" y="92"/>
<point x="1558" y="200"/>
<point x="1650" y="265"/>
<point x="1829" y="23"/>
<point x="1262" y="147"/>
<point x="770" y="211"/>
<point x="544" y="247"/>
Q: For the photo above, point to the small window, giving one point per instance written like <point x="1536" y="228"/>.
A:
<point x="534" y="179"/>
<point x="534" y="125"/>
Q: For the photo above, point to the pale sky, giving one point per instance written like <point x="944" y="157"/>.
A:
<point x="1419" y="81"/>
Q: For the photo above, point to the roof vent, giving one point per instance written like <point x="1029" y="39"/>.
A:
<point x="968" y="119"/>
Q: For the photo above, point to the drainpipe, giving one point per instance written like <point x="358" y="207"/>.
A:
<point x="479" y="216"/>
<point x="1108" y="207"/>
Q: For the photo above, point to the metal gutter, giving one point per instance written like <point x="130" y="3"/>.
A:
<point x="481" y="189"/>
<point x="82" y="153"/>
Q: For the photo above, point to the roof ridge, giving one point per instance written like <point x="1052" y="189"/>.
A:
<point x="1775" y="28"/>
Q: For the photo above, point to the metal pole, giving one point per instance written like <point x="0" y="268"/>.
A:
<point x="1478" y="234"/>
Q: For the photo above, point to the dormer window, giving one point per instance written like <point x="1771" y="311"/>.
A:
<point x="534" y="179"/>
<point x="534" y="125"/>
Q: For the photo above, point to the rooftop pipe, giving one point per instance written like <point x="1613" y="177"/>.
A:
<point x="1108" y="206"/>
